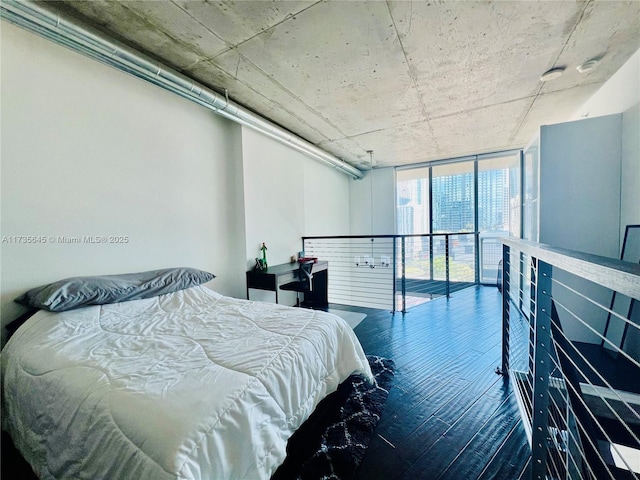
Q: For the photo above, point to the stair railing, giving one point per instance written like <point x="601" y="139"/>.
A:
<point x="578" y="392"/>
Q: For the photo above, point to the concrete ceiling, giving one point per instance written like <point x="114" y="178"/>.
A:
<point x="412" y="81"/>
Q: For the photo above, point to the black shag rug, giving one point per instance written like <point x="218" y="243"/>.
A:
<point x="333" y="440"/>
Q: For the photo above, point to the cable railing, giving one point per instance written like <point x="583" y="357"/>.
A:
<point x="578" y="389"/>
<point x="396" y="272"/>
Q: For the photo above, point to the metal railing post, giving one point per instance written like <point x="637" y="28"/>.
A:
<point x="521" y="282"/>
<point x="506" y="265"/>
<point x="404" y="276"/>
<point x="541" y="370"/>
<point x="395" y="285"/>
<point x="533" y="295"/>
<point x="430" y="256"/>
<point x="476" y="241"/>
<point x="446" y="262"/>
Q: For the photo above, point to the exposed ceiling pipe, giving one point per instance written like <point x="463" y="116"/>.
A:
<point x="68" y="32"/>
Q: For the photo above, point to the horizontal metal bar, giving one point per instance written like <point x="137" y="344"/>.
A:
<point x="595" y="332"/>
<point x="467" y="158"/>
<point x="412" y="235"/>
<point x="597" y="304"/>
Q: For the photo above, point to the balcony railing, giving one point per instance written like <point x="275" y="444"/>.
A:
<point x="399" y="271"/>
<point x="578" y="387"/>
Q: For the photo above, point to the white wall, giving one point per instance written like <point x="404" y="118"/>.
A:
<point x="621" y="94"/>
<point x="373" y="195"/>
<point x="88" y="150"/>
<point x="580" y="165"/>
<point x="618" y="94"/>
<point x="326" y="200"/>
<point x="630" y="180"/>
<point x="287" y="196"/>
<point x="274" y="201"/>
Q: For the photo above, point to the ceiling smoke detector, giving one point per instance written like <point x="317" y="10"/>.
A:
<point x="588" y="66"/>
<point x="552" y="74"/>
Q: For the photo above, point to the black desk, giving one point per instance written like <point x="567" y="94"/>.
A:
<point x="277" y="275"/>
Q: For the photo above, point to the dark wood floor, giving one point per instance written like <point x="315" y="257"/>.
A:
<point x="448" y="415"/>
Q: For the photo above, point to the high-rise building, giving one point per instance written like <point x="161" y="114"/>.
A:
<point x="453" y="203"/>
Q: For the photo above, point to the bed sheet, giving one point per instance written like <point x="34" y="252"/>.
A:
<point x="189" y="385"/>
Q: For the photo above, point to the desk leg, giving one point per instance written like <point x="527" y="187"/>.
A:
<point x="324" y="289"/>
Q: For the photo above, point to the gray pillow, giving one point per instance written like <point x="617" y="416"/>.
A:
<point x="76" y="292"/>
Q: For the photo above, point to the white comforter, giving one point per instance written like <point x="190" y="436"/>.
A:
<point x="190" y="385"/>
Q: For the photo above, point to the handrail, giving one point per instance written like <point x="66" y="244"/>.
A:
<point x="394" y="235"/>
<point x="618" y="275"/>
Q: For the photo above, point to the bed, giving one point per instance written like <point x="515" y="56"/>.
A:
<point x="177" y="383"/>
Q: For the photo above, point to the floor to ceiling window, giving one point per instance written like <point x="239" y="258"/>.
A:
<point x="473" y="194"/>
<point x="453" y="194"/>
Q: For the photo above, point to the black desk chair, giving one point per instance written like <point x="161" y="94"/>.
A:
<point x="303" y="284"/>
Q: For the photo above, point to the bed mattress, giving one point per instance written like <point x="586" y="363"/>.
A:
<point x="189" y="385"/>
